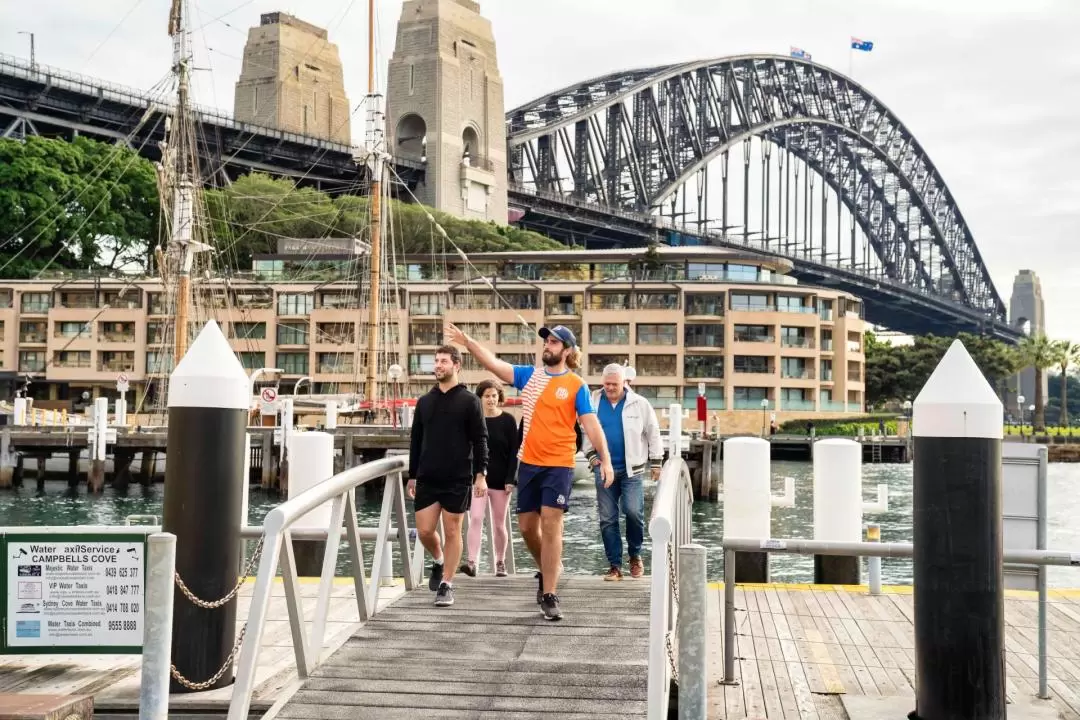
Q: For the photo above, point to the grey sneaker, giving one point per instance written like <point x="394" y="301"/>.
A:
<point x="436" y="576"/>
<point x="539" y="587"/>
<point x="550" y="607"/>
<point x="469" y="568"/>
<point x="445" y="596"/>
<point x="500" y="569"/>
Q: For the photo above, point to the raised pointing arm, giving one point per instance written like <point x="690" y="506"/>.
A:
<point x="499" y="368"/>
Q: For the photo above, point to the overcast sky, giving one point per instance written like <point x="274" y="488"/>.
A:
<point x="991" y="88"/>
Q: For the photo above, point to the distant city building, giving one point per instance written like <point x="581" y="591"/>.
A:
<point x="1027" y="312"/>
<point x="292" y="80"/>
<point x="444" y="107"/>
<point x="760" y="342"/>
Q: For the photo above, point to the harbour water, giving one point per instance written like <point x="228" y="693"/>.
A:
<point x="583" y="550"/>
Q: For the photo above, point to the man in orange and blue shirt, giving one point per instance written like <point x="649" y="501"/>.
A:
<point x="554" y="400"/>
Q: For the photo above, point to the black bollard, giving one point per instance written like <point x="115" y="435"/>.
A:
<point x="209" y="394"/>
<point x="959" y="606"/>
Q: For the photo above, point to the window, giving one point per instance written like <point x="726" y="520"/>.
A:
<point x="72" y="359"/>
<point x="657" y="334"/>
<point x="826" y="370"/>
<point x="247" y="331"/>
<point x="854" y="371"/>
<point x="336" y="333"/>
<point x="705" y="271"/>
<point x="703" y="366"/>
<point x="71" y="329"/>
<point x="753" y="364"/>
<point x="33" y="332"/>
<point x="658" y="301"/>
<point x="159" y="362"/>
<point x="421" y="363"/>
<point x="516" y="334"/>
<point x="477" y="331"/>
<point x="796" y="368"/>
<point x="793" y="303"/>
<point x="609" y="334"/>
<point x="292" y="334"/>
<point x="335" y="363"/>
<point x="711" y="336"/>
<point x="660" y="396"/>
<point x="826" y="340"/>
<point x="36" y="302"/>
<point x="427" y="304"/>
<point x="796" y="399"/>
<point x="293" y="363"/>
<point x="425" y="333"/>
<point x="564" y="305"/>
<point x="754" y="333"/>
<point x="290" y="304"/>
<point x="742" y="273"/>
<point x="609" y="301"/>
<point x="795" y="337"/>
<point x="155" y="333"/>
<point x="338" y="301"/>
<point x="854" y="342"/>
<point x="712" y="305"/>
<point x="597" y="363"/>
<point x="656" y="365"/>
<point x="825" y="310"/>
<point x="31" y="361"/>
<point x="252" y="360"/>
<point x="528" y="359"/>
<point x="123" y="332"/>
<point x="746" y="302"/>
<point x="116" y="361"/>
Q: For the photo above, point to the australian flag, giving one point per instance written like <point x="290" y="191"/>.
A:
<point x="864" y="45"/>
<point x="799" y="53"/>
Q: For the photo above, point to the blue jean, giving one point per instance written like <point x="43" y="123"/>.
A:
<point x="627" y="494"/>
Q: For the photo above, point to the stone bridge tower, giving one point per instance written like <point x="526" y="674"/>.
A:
<point x="1026" y="311"/>
<point x="444" y="107"/>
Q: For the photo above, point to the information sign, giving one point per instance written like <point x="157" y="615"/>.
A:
<point x="74" y="593"/>
<point x="268" y="401"/>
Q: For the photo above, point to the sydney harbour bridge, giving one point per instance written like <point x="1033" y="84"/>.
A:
<point x="771" y="153"/>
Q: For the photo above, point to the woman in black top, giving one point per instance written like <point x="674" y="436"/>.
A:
<point x="503" y="444"/>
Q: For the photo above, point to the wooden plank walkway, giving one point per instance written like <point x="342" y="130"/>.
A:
<point x="800" y="648"/>
<point x="114" y="680"/>
<point x="491" y="655"/>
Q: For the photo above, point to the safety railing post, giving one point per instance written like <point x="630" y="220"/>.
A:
<point x="157" y="634"/>
<point x="729" y="616"/>
<point x="692" y="633"/>
<point x="873" y="564"/>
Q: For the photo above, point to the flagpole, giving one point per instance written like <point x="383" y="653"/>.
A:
<point x="850" y="60"/>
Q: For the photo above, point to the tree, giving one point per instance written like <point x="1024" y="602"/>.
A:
<point x="78" y="205"/>
<point x="1039" y="353"/>
<point x="1068" y="355"/>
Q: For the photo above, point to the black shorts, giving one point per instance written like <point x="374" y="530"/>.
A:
<point x="452" y="497"/>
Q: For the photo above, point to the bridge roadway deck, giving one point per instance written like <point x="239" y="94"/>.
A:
<point x="491" y="655"/>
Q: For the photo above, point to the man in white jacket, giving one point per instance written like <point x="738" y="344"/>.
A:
<point x="633" y="438"/>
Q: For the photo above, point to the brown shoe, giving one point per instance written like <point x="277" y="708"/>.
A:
<point x="614" y="574"/>
<point x="637" y="568"/>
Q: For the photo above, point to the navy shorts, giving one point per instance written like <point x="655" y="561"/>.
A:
<point x="543" y="486"/>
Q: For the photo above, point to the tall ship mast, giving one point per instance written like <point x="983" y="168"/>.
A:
<point x="376" y="169"/>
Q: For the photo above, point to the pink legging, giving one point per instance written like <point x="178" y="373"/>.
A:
<point x="499" y="500"/>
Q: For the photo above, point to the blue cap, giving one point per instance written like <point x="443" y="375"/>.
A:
<point x="562" y="333"/>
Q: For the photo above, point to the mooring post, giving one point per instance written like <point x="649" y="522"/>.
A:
<point x="837" y="507"/>
<point x="209" y="393"/>
<point x="959" y="606"/>
<point x="100" y="431"/>
<point x="693" y="659"/>
<point x="157" y="637"/>
<point x="312" y="457"/>
<point x="748" y="502"/>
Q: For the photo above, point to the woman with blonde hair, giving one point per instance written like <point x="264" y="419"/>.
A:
<point x="503" y="443"/>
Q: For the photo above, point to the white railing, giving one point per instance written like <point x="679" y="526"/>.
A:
<point x="277" y="550"/>
<point x="669" y="529"/>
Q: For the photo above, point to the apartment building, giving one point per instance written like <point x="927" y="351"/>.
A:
<point x="760" y="344"/>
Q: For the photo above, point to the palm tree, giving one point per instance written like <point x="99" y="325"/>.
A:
<point x="1039" y="353"/>
<point x="1068" y="354"/>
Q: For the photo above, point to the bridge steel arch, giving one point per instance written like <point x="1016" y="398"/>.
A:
<point x="629" y="141"/>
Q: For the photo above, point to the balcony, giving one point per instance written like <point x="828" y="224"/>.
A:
<point x="833" y="406"/>
<point x="330" y="368"/>
<point x="32" y="365"/>
<point x="854" y="377"/>
<point x="800" y="405"/>
<point x="797" y="373"/>
<point x="854" y="347"/>
<point x="794" y="341"/>
<point x="78" y="300"/>
<point x="752" y="307"/>
<point x="69" y="360"/>
<point x="696" y="306"/>
<point x="749" y="404"/>
<point x="118" y="365"/>
<point x="799" y="309"/>
<point x="750" y="338"/>
<point x="38" y="307"/>
<point x="33" y="337"/>
<point x="690" y="403"/>
<point x="560" y="310"/>
<point x="111" y="336"/>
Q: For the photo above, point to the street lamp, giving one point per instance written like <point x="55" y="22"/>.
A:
<point x="907" y="409"/>
<point x="1031" y="409"/>
<point x="764" y="411"/>
<point x="395" y="372"/>
<point x="33" y="58"/>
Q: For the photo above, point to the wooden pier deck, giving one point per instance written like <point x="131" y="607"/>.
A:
<point x="114" y="680"/>
<point x="802" y="650"/>
<point x="491" y="656"/>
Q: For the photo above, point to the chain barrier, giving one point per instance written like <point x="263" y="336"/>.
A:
<point x="673" y="583"/>
<point x="213" y="605"/>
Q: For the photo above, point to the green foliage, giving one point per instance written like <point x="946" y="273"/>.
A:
<point x="898" y="372"/>
<point x="841" y="427"/>
<point x="80" y="205"/>
<point x="1039" y="352"/>
<point x="249" y="216"/>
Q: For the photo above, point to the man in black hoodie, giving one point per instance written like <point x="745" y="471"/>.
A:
<point x="447" y="465"/>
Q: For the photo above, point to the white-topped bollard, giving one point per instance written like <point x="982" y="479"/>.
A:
<point x="331" y="414"/>
<point x="839" y="507"/>
<point x="311" y="455"/>
<point x="748" y="502"/>
<point x="100" y="436"/>
<point x="675" y="418"/>
<point x="956" y="513"/>
<point x="22" y="408"/>
<point x="209" y="395"/>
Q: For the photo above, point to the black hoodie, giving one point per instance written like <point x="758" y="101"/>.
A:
<point x="449" y="437"/>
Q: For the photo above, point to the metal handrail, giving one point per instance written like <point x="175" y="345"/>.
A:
<point x="669" y="529"/>
<point x="278" y="550"/>
<point x="732" y="545"/>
